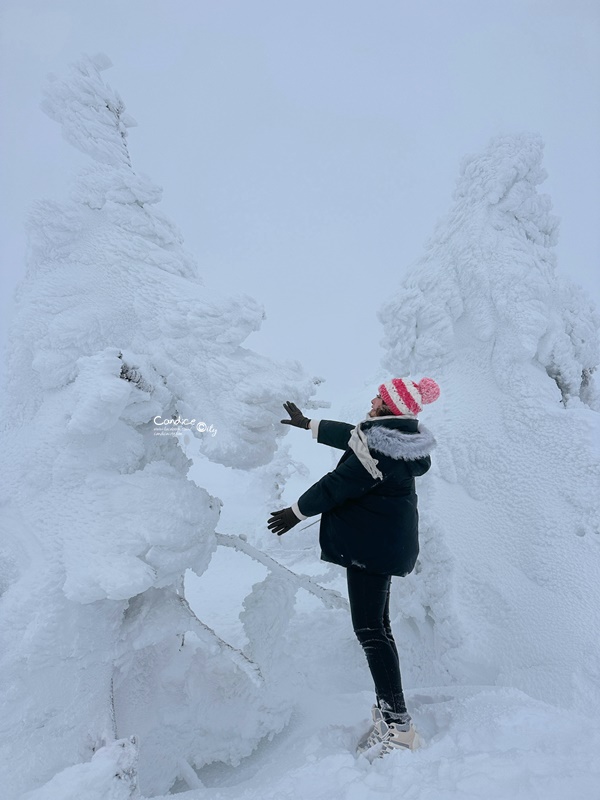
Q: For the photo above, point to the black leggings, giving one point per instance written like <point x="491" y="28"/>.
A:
<point x="369" y="596"/>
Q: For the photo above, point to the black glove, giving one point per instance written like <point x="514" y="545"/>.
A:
<point x="282" y="521"/>
<point x="297" y="417"/>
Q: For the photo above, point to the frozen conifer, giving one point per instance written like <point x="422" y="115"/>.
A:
<point x="512" y="500"/>
<point x="115" y="334"/>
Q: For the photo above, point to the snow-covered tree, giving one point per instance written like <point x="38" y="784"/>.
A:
<point x="507" y="586"/>
<point x="115" y="333"/>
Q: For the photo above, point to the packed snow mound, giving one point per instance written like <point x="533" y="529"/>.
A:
<point x="110" y="775"/>
<point x="115" y="338"/>
<point x="507" y="587"/>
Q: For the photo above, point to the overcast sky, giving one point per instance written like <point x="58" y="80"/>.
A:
<point x="307" y="149"/>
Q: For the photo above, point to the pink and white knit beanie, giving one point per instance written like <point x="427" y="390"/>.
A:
<point x="405" y="398"/>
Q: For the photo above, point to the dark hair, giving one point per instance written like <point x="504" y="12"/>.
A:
<point x="384" y="411"/>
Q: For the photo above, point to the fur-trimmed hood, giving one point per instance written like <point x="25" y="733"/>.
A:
<point x="400" y="445"/>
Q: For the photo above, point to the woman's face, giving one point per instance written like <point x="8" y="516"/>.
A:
<point x="376" y="404"/>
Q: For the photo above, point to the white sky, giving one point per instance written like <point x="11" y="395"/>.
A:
<point x="307" y="149"/>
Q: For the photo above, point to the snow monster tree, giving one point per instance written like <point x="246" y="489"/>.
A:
<point x="508" y="582"/>
<point x="114" y="333"/>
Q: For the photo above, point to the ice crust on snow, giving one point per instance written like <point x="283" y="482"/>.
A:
<point x="113" y="328"/>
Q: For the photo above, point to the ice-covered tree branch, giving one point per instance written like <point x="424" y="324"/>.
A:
<point x="330" y="598"/>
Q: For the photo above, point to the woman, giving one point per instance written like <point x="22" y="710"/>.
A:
<point x="369" y="524"/>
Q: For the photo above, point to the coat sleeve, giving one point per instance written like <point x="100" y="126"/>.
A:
<point x="334" y="434"/>
<point x="349" y="479"/>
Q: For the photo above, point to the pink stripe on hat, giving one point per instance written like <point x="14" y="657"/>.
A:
<point x="407" y="398"/>
<point x="400" y="395"/>
<point x="385" y="396"/>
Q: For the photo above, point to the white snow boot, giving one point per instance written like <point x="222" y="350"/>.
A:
<point x="399" y="737"/>
<point x="375" y="733"/>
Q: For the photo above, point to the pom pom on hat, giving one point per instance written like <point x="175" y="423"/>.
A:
<point x="405" y="398"/>
<point x="428" y="389"/>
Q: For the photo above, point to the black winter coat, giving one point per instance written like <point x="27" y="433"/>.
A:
<point x="365" y="521"/>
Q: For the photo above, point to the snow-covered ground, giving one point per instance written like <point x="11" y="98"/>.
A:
<point x="479" y="741"/>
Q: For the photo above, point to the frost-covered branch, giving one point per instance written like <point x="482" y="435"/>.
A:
<point x="329" y="597"/>
<point x="209" y="638"/>
<point x="133" y="375"/>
